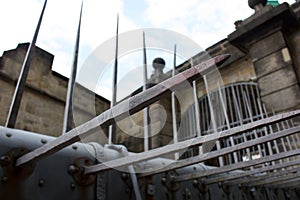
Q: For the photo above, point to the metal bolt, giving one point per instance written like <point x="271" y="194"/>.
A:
<point x="8" y="134"/>
<point x="41" y="182"/>
<point x="124" y="176"/>
<point x="5" y="160"/>
<point x="163" y="180"/>
<point x="150" y="189"/>
<point x="44" y="141"/>
<point x="74" y="147"/>
<point x="219" y="184"/>
<point x="172" y="178"/>
<point x="187" y="194"/>
<point x="72" y="186"/>
<point x="195" y="183"/>
<point x="4" y="179"/>
<point x="72" y="169"/>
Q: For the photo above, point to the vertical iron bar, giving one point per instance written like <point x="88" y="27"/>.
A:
<point x="281" y="139"/>
<point x="112" y="128"/>
<point x="227" y="122"/>
<point x="265" y="129"/>
<point x="16" y="101"/>
<point x="251" y="119"/>
<point x="239" y="103"/>
<point x="271" y="129"/>
<point x="68" y="116"/>
<point x="235" y="104"/>
<point x="241" y="121"/>
<point x="254" y="100"/>
<point x="146" y="110"/>
<point x="206" y="115"/>
<point x="202" y="113"/>
<point x="174" y="119"/>
<point x="197" y="114"/>
<point x="212" y="116"/>
<point x="230" y="106"/>
<point x="291" y="136"/>
<point x="287" y="138"/>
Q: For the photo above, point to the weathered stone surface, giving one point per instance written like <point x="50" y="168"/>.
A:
<point x="283" y="100"/>
<point x="267" y="46"/>
<point x="42" y="106"/>
<point x="161" y="140"/>
<point x="272" y="63"/>
<point x="294" y="45"/>
<point x="278" y="80"/>
<point x="262" y="24"/>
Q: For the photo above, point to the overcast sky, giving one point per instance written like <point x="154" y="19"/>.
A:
<point x="204" y="21"/>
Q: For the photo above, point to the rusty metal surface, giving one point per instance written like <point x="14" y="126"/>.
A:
<point x="131" y="105"/>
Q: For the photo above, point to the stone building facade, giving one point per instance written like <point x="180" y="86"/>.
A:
<point x="43" y="102"/>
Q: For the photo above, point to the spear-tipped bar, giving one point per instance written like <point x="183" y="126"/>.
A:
<point x="146" y="110"/>
<point x="16" y="101"/>
<point x="173" y="101"/>
<point x="68" y="116"/>
<point x="112" y="128"/>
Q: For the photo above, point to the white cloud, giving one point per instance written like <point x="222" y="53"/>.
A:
<point x="58" y="30"/>
<point x="16" y="22"/>
<point x="206" y="22"/>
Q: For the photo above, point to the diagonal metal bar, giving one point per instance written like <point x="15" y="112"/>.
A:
<point x="275" y="177"/>
<point x="68" y="116"/>
<point x="225" y="151"/>
<point x="287" y="184"/>
<point x="265" y="176"/>
<point x="16" y="101"/>
<point x="241" y="176"/>
<point x="172" y="148"/>
<point x="119" y="111"/>
<point x="237" y="166"/>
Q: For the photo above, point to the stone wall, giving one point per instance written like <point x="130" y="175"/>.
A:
<point x="42" y="106"/>
<point x="269" y="37"/>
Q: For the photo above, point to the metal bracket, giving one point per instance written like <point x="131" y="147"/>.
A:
<point x="77" y="171"/>
<point x="8" y="161"/>
<point x="168" y="182"/>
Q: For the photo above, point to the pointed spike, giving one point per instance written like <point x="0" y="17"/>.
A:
<point x="68" y="116"/>
<point x="16" y="101"/>
<point x="112" y="128"/>
<point x="147" y="140"/>
<point x="145" y="61"/>
<point x="115" y="75"/>
<point x="174" y="62"/>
